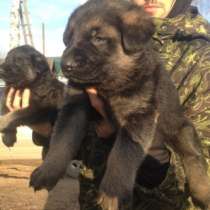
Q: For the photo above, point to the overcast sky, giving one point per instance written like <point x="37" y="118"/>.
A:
<point x="54" y="13"/>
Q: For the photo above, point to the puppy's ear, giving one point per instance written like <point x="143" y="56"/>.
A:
<point x="137" y="28"/>
<point x="66" y="34"/>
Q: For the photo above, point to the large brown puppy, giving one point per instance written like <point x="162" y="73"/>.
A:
<point x="109" y="46"/>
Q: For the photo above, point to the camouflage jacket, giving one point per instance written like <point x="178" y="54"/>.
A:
<point x="184" y="45"/>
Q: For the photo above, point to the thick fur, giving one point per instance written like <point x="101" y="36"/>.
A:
<point x="69" y="130"/>
<point x="25" y="67"/>
<point x="65" y="194"/>
<point x="109" y="45"/>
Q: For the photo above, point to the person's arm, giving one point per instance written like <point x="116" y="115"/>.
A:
<point x="198" y="108"/>
<point x="104" y="129"/>
<point x="17" y="100"/>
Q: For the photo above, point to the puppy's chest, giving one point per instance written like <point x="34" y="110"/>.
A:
<point x="48" y="99"/>
<point x="124" y="107"/>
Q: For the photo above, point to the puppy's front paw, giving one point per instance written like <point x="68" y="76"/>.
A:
<point x="9" y="139"/>
<point x="108" y="203"/>
<point x="45" y="177"/>
<point x="38" y="179"/>
<point x="53" y="168"/>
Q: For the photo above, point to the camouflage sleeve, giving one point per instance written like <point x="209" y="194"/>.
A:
<point x="198" y="109"/>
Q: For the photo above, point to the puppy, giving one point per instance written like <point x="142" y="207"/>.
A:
<point x="109" y="46"/>
<point x="25" y="67"/>
<point x="65" y="194"/>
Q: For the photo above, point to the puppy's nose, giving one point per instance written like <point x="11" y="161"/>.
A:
<point x="69" y="64"/>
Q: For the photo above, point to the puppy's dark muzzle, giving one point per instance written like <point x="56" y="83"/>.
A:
<point x="72" y="61"/>
<point x="69" y="66"/>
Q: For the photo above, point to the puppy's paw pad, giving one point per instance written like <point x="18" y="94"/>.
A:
<point x="39" y="178"/>
<point x="9" y="139"/>
<point x="44" y="177"/>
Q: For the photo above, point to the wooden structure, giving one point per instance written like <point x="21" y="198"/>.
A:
<point x="20" y="28"/>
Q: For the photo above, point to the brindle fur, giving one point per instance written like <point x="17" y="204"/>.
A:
<point x="109" y="46"/>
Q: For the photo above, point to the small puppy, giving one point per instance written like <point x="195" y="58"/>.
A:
<point x="25" y="67"/>
<point x="65" y="194"/>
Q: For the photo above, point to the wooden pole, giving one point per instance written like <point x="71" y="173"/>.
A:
<point x="43" y="38"/>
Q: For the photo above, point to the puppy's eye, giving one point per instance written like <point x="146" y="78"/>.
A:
<point x="19" y="60"/>
<point x="99" y="40"/>
<point x="38" y="59"/>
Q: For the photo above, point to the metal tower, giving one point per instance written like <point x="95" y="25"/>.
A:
<point x="20" y="24"/>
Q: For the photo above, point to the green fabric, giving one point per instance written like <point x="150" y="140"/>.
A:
<point x="187" y="59"/>
<point x="188" y="63"/>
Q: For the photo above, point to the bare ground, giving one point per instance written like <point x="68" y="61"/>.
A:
<point x="14" y="191"/>
<point x="16" y="165"/>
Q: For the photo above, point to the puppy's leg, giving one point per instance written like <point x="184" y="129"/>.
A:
<point x="9" y="137"/>
<point x="40" y="140"/>
<point x="25" y="116"/>
<point x="132" y="143"/>
<point x="65" y="194"/>
<point x="187" y="145"/>
<point x="118" y="182"/>
<point x="69" y="131"/>
<point x="45" y="150"/>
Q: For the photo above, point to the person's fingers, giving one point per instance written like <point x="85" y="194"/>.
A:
<point x="104" y="129"/>
<point x="10" y="98"/>
<point x="17" y="100"/>
<point x="98" y="105"/>
<point x="96" y="101"/>
<point x="91" y="90"/>
<point x="26" y="98"/>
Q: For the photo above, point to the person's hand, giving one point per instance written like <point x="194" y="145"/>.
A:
<point x="104" y="129"/>
<point x="17" y="100"/>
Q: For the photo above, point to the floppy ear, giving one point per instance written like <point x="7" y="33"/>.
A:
<point x="137" y="28"/>
<point x="66" y="34"/>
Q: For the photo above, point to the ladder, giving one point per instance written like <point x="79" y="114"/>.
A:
<point x="20" y="24"/>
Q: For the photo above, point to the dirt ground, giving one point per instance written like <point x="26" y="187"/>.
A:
<point x="14" y="191"/>
<point x="16" y="165"/>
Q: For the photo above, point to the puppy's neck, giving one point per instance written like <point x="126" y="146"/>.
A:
<point x="43" y="85"/>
